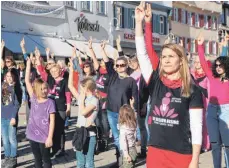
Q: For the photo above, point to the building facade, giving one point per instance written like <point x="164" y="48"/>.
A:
<point x="190" y="18"/>
<point x="60" y="24"/>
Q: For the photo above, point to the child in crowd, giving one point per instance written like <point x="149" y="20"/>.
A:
<point x="9" y="108"/>
<point x="88" y="110"/>
<point x="127" y="127"/>
<point x="41" y="120"/>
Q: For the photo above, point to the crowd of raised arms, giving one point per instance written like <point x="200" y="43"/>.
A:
<point x="172" y="109"/>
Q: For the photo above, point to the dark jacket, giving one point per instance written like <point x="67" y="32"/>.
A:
<point x="143" y="94"/>
<point x="79" y="138"/>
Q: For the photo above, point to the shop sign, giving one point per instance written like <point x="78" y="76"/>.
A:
<point x="132" y="37"/>
<point x="84" y="25"/>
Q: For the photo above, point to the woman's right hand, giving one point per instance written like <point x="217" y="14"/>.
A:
<point x="148" y="13"/>
<point x="22" y="43"/>
<point x="200" y="40"/>
<point x="140" y="12"/>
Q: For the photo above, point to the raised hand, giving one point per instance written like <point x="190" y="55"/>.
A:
<point x="148" y="13"/>
<point x="90" y="43"/>
<point x="52" y="55"/>
<point x="47" y="50"/>
<point x="37" y="53"/>
<point x="22" y="43"/>
<point x="200" y="40"/>
<point x="140" y="12"/>
<point x="3" y="44"/>
<point x="181" y="43"/>
<point x="74" y="52"/>
<point x="103" y="44"/>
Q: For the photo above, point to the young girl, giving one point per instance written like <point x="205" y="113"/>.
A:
<point x="9" y="108"/>
<point x="88" y="109"/>
<point x="41" y="120"/>
<point x="127" y="128"/>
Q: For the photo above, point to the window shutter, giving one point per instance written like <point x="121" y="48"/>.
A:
<point x="183" y="38"/>
<point x="193" y="19"/>
<point x="165" y="25"/>
<point x="173" y="14"/>
<point x="179" y="15"/>
<point x="196" y="46"/>
<point x="126" y="17"/>
<point x="216" y="23"/>
<point x="115" y="15"/>
<point x="157" y="24"/>
<point x="189" y="44"/>
<point x="186" y="15"/>
<point x="209" y="22"/>
<point x="210" y="47"/>
<point x="123" y="15"/>
<point x="153" y="22"/>
<point x="217" y="48"/>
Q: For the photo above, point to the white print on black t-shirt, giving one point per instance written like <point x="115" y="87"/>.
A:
<point x="164" y="115"/>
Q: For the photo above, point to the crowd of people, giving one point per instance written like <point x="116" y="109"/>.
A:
<point x="172" y="108"/>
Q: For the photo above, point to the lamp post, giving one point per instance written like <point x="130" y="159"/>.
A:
<point x="117" y="28"/>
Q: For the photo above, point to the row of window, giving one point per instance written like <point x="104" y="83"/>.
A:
<point x="191" y="45"/>
<point x="194" y="19"/>
<point x="126" y="19"/>
<point x="88" y="6"/>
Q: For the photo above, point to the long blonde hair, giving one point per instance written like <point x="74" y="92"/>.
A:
<point x="184" y="69"/>
<point x="37" y="87"/>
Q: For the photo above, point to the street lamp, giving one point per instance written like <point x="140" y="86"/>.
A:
<point x="117" y="25"/>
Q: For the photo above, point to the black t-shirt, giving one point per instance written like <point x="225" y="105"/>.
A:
<point x="120" y="91"/>
<point x="57" y="92"/>
<point x="169" y="117"/>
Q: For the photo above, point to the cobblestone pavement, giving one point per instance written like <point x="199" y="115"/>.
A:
<point x="103" y="160"/>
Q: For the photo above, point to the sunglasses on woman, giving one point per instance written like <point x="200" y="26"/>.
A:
<point x="86" y="66"/>
<point x="120" y="65"/>
<point x="218" y="65"/>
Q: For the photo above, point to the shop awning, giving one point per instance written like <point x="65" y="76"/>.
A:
<point x="58" y="47"/>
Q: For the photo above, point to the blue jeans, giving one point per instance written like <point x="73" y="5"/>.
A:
<point x="24" y="95"/>
<point x="113" y="122"/>
<point x="218" y="129"/>
<point x="85" y="158"/>
<point x="9" y="138"/>
<point x="66" y="122"/>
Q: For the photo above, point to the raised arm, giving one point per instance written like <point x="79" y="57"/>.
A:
<point x="27" y="78"/>
<point x="2" y="48"/>
<point x="104" y="55"/>
<point x="119" y="48"/>
<point x="47" y="51"/>
<point x="70" y="81"/>
<point x="92" y="55"/>
<point x="40" y="67"/>
<point x="143" y="58"/>
<point x="203" y="61"/>
<point x="76" y="64"/>
<point x="149" y="39"/>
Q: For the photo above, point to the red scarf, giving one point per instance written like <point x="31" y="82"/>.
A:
<point x="173" y="84"/>
<point x="197" y="75"/>
<point x="102" y="71"/>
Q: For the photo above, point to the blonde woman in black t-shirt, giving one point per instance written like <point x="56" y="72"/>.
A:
<point x="175" y="121"/>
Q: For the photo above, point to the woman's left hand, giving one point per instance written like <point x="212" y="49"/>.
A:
<point x="48" y="142"/>
<point x="12" y="121"/>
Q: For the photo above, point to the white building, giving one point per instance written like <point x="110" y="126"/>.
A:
<point x="50" y="23"/>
